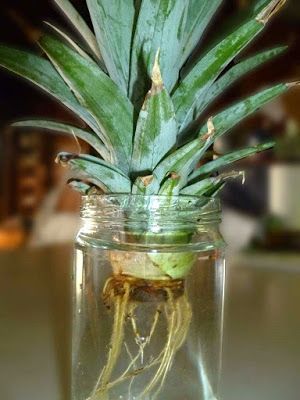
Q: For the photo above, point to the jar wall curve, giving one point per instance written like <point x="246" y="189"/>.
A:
<point x="147" y="305"/>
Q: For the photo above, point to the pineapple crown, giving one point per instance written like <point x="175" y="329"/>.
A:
<point x="141" y="95"/>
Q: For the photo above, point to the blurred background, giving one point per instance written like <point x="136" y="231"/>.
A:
<point x="39" y="214"/>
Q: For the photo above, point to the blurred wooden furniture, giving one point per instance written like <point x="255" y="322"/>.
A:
<point x="12" y="234"/>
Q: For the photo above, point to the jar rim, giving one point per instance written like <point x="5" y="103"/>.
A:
<point x="208" y="208"/>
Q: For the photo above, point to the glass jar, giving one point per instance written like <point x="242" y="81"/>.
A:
<point x="148" y="299"/>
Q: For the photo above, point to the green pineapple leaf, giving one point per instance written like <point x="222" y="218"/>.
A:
<point x="82" y="28"/>
<point x="242" y="15"/>
<point x="237" y="72"/>
<point x="53" y="126"/>
<point x="142" y="185"/>
<point x="194" y="87"/>
<point x="171" y="186"/>
<point x="225" y="160"/>
<point x="103" y="174"/>
<point x="41" y="72"/>
<point x="200" y="14"/>
<point x="69" y="40"/>
<point x="99" y="94"/>
<point x="215" y="190"/>
<point x="84" y="188"/>
<point x="230" y="117"/>
<point x="155" y="149"/>
<point x="113" y="24"/>
<point x="205" y="186"/>
<point x="160" y="25"/>
<point x="182" y="161"/>
<point x="156" y="130"/>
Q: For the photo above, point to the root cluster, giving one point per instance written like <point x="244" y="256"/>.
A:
<point x="172" y="310"/>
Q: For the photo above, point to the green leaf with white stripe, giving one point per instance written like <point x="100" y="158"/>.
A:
<point x="99" y="94"/>
<point x="42" y="73"/>
<point x="225" y="160"/>
<point x="235" y="73"/>
<point x="107" y="176"/>
<point x="156" y="130"/>
<point x="200" y="14"/>
<point x="81" y="27"/>
<point x="113" y="24"/>
<point x="196" y="84"/>
<point x="160" y="25"/>
<point x="89" y="137"/>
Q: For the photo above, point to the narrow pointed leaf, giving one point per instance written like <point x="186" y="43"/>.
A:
<point x="41" y="72"/>
<point x="227" y="159"/>
<point x="207" y="185"/>
<point x="108" y="177"/>
<point x="182" y="161"/>
<point x="230" y="117"/>
<point x="81" y="26"/>
<point x="239" y="17"/>
<point x="235" y="73"/>
<point x="89" y="137"/>
<point x="199" y="16"/>
<point x="227" y="119"/>
<point x="99" y="94"/>
<point x="215" y="191"/>
<point x="185" y="158"/>
<point x="195" y="85"/>
<point x="200" y="188"/>
<point x="113" y="23"/>
<point x="160" y="25"/>
<point x="156" y="129"/>
<point x="70" y="41"/>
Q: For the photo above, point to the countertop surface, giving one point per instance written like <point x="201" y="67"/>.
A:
<point x="261" y="335"/>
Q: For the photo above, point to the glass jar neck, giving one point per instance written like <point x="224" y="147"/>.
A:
<point x="151" y="221"/>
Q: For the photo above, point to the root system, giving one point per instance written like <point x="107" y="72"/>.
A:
<point x="124" y="296"/>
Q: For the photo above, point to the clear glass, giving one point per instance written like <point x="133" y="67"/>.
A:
<point x="148" y="299"/>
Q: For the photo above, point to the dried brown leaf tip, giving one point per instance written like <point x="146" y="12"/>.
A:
<point x="293" y="84"/>
<point x="146" y="180"/>
<point x="174" y="175"/>
<point x="270" y="10"/>
<point x="210" y="130"/>
<point x="157" y="82"/>
<point x="64" y="158"/>
<point x="232" y="174"/>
